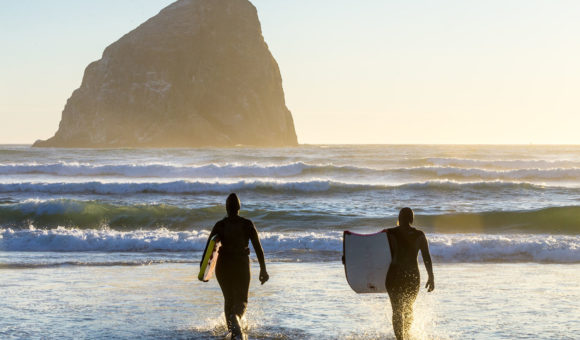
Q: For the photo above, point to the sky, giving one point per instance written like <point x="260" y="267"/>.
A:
<point x="370" y="71"/>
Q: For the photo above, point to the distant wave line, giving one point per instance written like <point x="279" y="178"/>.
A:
<point x="267" y="186"/>
<point x="285" y="170"/>
<point x="510" y="164"/>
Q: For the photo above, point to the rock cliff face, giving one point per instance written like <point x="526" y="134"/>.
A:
<point x="197" y="74"/>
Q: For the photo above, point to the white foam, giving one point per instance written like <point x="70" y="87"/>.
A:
<point x="156" y="170"/>
<point x="516" y="174"/>
<point x="226" y="186"/>
<point x="444" y="247"/>
<point x="76" y="240"/>
<point x="509" y="164"/>
<point x="301" y="170"/>
<point x="505" y="248"/>
<point x="175" y="187"/>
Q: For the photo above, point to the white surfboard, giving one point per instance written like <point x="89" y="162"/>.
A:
<point x="366" y="261"/>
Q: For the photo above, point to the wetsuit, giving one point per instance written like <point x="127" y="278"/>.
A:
<point x="403" y="278"/>
<point x="233" y="266"/>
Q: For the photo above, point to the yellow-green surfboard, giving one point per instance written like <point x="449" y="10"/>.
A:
<point x="209" y="259"/>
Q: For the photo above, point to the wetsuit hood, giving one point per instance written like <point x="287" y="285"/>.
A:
<point x="233" y="205"/>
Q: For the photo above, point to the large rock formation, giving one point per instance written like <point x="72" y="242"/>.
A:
<point x="197" y="74"/>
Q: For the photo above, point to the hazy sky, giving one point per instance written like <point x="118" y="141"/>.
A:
<point x="369" y="71"/>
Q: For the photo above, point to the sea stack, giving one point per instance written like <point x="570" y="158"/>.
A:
<point x="197" y="74"/>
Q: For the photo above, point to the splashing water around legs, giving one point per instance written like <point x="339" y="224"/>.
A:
<point x="407" y="319"/>
<point x="402" y="301"/>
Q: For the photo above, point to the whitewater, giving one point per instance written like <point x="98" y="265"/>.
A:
<point x="77" y="214"/>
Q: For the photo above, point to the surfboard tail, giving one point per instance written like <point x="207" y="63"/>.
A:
<point x="366" y="261"/>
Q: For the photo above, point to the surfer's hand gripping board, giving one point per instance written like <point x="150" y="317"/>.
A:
<point x="366" y="261"/>
<point x="209" y="259"/>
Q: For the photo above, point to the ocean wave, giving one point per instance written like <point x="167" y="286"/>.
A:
<point x="265" y="186"/>
<point x="469" y="248"/>
<point x="156" y="170"/>
<point x="535" y="171"/>
<point x="95" y="214"/>
<point x="505" y="248"/>
<point x="174" y="187"/>
<point x="76" y="240"/>
<point x="440" y="172"/>
<point x="553" y="220"/>
<point x="506" y="164"/>
<point x="531" y="174"/>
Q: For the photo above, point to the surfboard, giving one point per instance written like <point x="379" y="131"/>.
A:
<point x="366" y="261"/>
<point x="209" y="259"/>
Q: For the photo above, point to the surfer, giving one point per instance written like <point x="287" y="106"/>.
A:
<point x="233" y="264"/>
<point x="403" y="281"/>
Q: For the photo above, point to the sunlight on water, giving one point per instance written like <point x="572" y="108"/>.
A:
<point x="301" y="301"/>
<point x="215" y="326"/>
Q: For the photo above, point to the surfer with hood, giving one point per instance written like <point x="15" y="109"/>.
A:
<point x="403" y="281"/>
<point x="233" y="264"/>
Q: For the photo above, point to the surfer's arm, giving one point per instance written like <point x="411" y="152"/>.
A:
<point x="428" y="263"/>
<point x="259" y="252"/>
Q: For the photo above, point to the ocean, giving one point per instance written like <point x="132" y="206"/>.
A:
<point x="98" y="243"/>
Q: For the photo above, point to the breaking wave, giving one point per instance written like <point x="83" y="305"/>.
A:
<point x="266" y="186"/>
<point x="439" y="168"/>
<point x="156" y="170"/>
<point x="469" y="248"/>
<point x="509" y="164"/>
<point x="95" y="214"/>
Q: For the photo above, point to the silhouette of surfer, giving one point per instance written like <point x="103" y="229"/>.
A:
<point x="403" y="281"/>
<point x="233" y="264"/>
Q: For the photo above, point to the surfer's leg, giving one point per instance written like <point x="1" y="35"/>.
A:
<point x="226" y="284"/>
<point x="236" y="284"/>
<point x="407" y="311"/>
<point x="234" y="326"/>
<point x="409" y="300"/>
<point x="397" y="305"/>
<point x="241" y="289"/>
<point x="395" y="290"/>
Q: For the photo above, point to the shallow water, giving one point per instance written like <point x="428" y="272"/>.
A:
<point x="301" y="301"/>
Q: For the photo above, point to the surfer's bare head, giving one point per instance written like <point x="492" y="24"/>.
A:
<point x="406" y="217"/>
<point x="233" y="205"/>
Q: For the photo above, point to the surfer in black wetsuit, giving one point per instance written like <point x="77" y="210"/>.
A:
<point x="403" y="281"/>
<point x="233" y="265"/>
